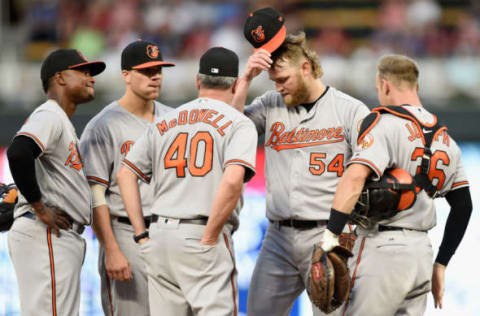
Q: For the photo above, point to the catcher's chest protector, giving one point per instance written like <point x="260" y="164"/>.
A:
<point x="427" y="134"/>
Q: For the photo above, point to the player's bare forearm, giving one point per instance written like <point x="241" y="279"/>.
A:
<point x="241" y="92"/>
<point x="349" y="188"/>
<point x="258" y="61"/>
<point x="128" y="184"/>
<point x="102" y="227"/>
<point x="226" y="199"/>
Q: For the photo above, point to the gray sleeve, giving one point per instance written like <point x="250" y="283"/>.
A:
<point x="354" y="124"/>
<point x="242" y="148"/>
<point x="374" y="151"/>
<point x="97" y="153"/>
<point x="44" y="127"/>
<point x="257" y="112"/>
<point x="140" y="158"/>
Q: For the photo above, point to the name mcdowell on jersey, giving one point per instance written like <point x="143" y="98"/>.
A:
<point x="281" y="139"/>
<point x="207" y="116"/>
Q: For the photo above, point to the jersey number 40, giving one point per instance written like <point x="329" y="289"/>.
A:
<point x="176" y="154"/>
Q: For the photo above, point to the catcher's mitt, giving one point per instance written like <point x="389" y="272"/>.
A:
<point x="8" y="199"/>
<point x="328" y="282"/>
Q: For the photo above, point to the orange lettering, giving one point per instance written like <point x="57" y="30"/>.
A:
<point x="162" y="127"/>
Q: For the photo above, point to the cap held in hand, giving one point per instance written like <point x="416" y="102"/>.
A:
<point x="265" y="29"/>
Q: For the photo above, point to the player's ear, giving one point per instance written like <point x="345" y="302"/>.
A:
<point x="126" y="75"/>
<point x="234" y="86"/>
<point x="306" y="67"/>
<point x="386" y="87"/>
<point x="59" y="78"/>
<point x="197" y="82"/>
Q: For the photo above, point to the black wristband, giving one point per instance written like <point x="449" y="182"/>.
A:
<point x="141" y="236"/>
<point x="337" y="221"/>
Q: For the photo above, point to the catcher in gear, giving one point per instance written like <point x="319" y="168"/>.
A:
<point x="328" y="282"/>
<point x="383" y="199"/>
<point x="392" y="269"/>
<point x="8" y="199"/>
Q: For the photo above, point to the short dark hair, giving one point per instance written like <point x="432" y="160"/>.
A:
<point x="46" y="84"/>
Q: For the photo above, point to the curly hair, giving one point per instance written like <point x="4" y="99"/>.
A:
<point x="294" y="49"/>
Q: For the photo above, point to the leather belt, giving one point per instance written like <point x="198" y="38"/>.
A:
<point x="198" y="221"/>
<point x="76" y="227"/>
<point x="382" y="228"/>
<point x="126" y="220"/>
<point x="299" y="224"/>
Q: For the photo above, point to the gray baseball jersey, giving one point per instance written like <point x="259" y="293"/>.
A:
<point x="107" y="139"/>
<point x="394" y="142"/>
<point x="392" y="268"/>
<point x="184" y="154"/>
<point x="305" y="156"/>
<point x="59" y="168"/>
<point x="213" y="134"/>
<point x="105" y="142"/>
<point x="51" y="285"/>
<point x="305" y="152"/>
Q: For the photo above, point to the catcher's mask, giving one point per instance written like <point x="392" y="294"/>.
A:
<point x="382" y="199"/>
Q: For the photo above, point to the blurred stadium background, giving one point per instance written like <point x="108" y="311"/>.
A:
<point x="349" y="35"/>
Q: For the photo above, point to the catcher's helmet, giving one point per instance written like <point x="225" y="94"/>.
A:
<point x="382" y="199"/>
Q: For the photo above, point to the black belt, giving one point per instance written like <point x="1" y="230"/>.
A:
<point x="299" y="224"/>
<point x="78" y="228"/>
<point x="126" y="220"/>
<point x="198" y="221"/>
<point x="382" y="228"/>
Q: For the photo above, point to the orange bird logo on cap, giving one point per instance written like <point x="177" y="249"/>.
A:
<point x="258" y="34"/>
<point x="152" y="51"/>
<point x="81" y="55"/>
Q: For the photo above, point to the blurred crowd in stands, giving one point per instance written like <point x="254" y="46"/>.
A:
<point x="184" y="29"/>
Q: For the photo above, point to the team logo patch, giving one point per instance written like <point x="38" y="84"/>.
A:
<point x="258" y="34"/>
<point x="152" y="51"/>
<point x="81" y="55"/>
<point x="126" y="147"/>
<point x="367" y="141"/>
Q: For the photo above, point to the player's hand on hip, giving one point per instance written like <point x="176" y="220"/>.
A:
<point x="258" y="61"/>
<point x="53" y="217"/>
<point x="117" y="265"/>
<point x="438" y="280"/>
<point x="208" y="241"/>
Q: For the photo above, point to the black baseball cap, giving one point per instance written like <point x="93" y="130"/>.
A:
<point x="142" y="54"/>
<point x="64" y="59"/>
<point x="265" y="29"/>
<point x="219" y="61"/>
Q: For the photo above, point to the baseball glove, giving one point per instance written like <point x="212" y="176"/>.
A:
<point x="8" y="199"/>
<point x="328" y="283"/>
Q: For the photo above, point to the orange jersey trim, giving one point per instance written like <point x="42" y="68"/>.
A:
<point x="362" y="245"/>
<point x="99" y="180"/>
<point x="52" y="271"/>
<point x="140" y="173"/>
<point x="239" y="161"/>
<point x="232" y="276"/>
<point x="39" y="143"/>
<point x="368" y="163"/>
<point x="293" y="146"/>
<point x="459" y="184"/>
<point x="360" y="138"/>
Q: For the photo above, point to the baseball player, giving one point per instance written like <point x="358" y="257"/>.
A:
<point x="392" y="263"/>
<point x="54" y="204"/>
<point x="198" y="157"/>
<point x="310" y="131"/>
<point x="107" y="139"/>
